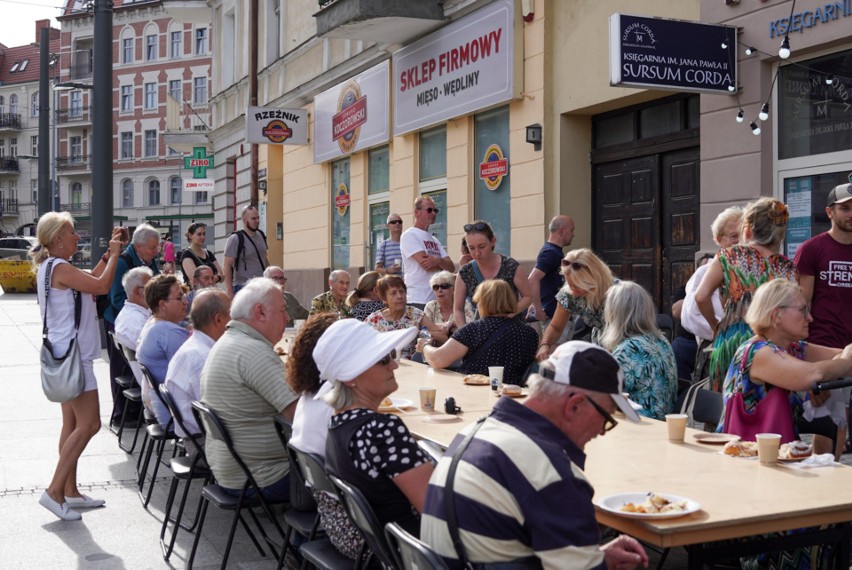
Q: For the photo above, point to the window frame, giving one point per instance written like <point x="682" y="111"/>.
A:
<point x="196" y="89"/>
<point x="175" y="189"/>
<point x="150" y="96"/>
<point x="126" y="95"/>
<point x="153" y="185"/>
<point x="148" y="150"/>
<point x="151" y="47"/>
<point x="127" y="55"/>
<point x="125" y="145"/>
<point x="201" y="41"/>
<point x="176" y="44"/>
<point x="127" y="197"/>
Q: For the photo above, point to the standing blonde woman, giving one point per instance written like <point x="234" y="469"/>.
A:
<point x="57" y="242"/>
<point x="737" y="272"/>
<point x="587" y="279"/>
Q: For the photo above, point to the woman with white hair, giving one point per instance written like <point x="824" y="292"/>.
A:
<point x="374" y="452"/>
<point x="440" y="309"/>
<point x="643" y="352"/>
<point x="61" y="287"/>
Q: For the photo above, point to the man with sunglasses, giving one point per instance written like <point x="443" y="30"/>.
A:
<point x="422" y="253"/>
<point x="388" y="254"/>
<point x="518" y="492"/>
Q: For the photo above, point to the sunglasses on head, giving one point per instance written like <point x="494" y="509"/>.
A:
<point x="441" y="286"/>
<point x="387" y="358"/>
<point x="431" y="210"/>
<point x="575" y="265"/>
<point x="395" y="222"/>
<point x="478" y="226"/>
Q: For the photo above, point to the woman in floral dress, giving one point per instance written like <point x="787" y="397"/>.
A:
<point x="737" y="272"/>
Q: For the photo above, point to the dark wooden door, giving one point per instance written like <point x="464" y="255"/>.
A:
<point x="646" y="212"/>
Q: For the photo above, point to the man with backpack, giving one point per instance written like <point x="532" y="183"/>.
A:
<point x="245" y="252"/>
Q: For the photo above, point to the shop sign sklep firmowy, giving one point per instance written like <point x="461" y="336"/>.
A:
<point x="271" y="125"/>
<point x="467" y="66"/>
<point x="672" y="54"/>
<point x="353" y="115"/>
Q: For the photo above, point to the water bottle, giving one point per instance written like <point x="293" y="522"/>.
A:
<point x="424" y="334"/>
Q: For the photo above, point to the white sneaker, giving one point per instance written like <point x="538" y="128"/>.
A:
<point x="63" y="511"/>
<point x="84" y="502"/>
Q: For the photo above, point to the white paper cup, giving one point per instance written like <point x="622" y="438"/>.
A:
<point x="397" y="261"/>
<point x="495" y="373"/>
<point x="767" y="447"/>
<point x="427" y="398"/>
<point x="676" y="423"/>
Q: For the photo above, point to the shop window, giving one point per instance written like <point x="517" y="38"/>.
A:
<point x="805" y="197"/>
<point x="492" y="195"/>
<point x="815" y="117"/>
<point x="340" y="199"/>
<point x="433" y="176"/>
<point x="378" y="196"/>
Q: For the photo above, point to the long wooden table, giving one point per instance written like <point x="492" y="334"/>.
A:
<point x="739" y="497"/>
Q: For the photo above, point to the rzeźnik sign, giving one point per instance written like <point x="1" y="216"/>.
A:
<point x="672" y="54"/>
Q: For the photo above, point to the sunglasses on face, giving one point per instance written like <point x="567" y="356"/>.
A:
<point x="431" y="210"/>
<point x="387" y="359"/>
<point x="395" y="222"/>
<point x="478" y="226"/>
<point x="444" y="286"/>
<point x="575" y="265"/>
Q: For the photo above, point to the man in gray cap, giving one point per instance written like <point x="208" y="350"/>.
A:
<point x="825" y="276"/>
<point x="518" y="493"/>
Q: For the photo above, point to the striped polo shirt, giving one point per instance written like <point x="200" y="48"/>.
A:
<point x="519" y="492"/>
<point x="243" y="381"/>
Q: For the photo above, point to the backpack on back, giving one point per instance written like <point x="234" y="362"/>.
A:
<point x="241" y="246"/>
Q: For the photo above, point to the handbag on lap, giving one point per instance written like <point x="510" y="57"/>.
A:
<point x="770" y="415"/>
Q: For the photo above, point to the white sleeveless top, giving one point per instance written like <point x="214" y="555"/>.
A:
<point x="60" y="317"/>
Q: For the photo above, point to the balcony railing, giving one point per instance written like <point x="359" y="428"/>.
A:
<point x="81" y="64"/>
<point x="10" y="121"/>
<point x="74" y="115"/>
<point x="388" y="21"/>
<point x="9" y="207"/>
<point x="66" y="163"/>
<point x="9" y="165"/>
<point x="77" y="208"/>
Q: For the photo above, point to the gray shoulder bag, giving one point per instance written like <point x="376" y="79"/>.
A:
<point x="62" y="379"/>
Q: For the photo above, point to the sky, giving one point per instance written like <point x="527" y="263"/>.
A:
<point x="18" y="17"/>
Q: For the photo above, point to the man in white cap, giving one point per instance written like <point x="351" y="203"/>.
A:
<point x="825" y="276"/>
<point x="517" y="492"/>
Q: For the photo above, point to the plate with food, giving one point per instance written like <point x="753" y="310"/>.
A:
<point x="442" y="418"/>
<point x="715" y="438"/>
<point x="513" y="391"/>
<point x="394" y="404"/>
<point x="648" y="505"/>
<point x="740" y="449"/>
<point x="477" y="380"/>
<point x="794" y="451"/>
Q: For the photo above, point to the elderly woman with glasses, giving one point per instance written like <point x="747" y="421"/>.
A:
<point x="196" y="254"/>
<point x="587" y="279"/>
<point x="440" y="309"/>
<point x="778" y="358"/>
<point x="161" y="336"/>
<point x="487" y="264"/>
<point x="399" y="315"/>
<point x="497" y="339"/>
<point x="374" y="452"/>
<point x="644" y="354"/>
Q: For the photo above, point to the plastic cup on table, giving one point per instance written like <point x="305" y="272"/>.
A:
<point x="676" y="424"/>
<point x="495" y="373"/>
<point x="767" y="447"/>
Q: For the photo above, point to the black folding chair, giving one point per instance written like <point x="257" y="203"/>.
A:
<point x="365" y="519"/>
<point x="157" y="437"/>
<point x="410" y="551"/>
<point x="132" y="393"/>
<point x="184" y="468"/>
<point x="215" y="429"/>
<point x="319" y="552"/>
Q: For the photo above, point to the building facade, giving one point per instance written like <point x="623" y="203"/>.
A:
<point x="161" y="80"/>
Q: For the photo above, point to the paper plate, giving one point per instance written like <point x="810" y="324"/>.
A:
<point x="613" y="504"/>
<point x="398" y="404"/>
<point x="715" y="438"/>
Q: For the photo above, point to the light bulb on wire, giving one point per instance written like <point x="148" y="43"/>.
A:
<point x="754" y="128"/>
<point x="784" y="50"/>
<point x="724" y="44"/>
<point x="750" y="50"/>
<point x="829" y="79"/>
<point x="740" y="116"/>
<point x="764" y="112"/>
<point x="732" y="87"/>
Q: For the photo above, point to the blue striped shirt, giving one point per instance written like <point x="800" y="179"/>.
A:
<point x="519" y="492"/>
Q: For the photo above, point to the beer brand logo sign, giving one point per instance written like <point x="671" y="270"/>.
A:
<point x="494" y="167"/>
<point x="277" y="131"/>
<point x="351" y="114"/>
<point x="341" y="199"/>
